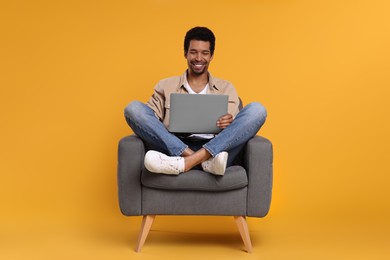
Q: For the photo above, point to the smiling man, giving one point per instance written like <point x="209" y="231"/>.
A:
<point x="172" y="154"/>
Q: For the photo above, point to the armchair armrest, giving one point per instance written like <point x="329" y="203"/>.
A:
<point x="257" y="160"/>
<point x="131" y="154"/>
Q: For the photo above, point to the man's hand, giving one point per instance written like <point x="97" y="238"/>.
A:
<point x="224" y="121"/>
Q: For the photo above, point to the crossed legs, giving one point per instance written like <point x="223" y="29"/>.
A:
<point x="172" y="156"/>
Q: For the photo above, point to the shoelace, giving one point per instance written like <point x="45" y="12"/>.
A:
<point x="206" y="165"/>
<point x="169" y="163"/>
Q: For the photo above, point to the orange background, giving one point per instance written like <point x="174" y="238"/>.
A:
<point x="68" y="68"/>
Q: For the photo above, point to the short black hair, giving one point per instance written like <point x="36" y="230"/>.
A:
<point x="200" y="34"/>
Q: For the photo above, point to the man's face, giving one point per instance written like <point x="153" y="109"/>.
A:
<point x="198" y="57"/>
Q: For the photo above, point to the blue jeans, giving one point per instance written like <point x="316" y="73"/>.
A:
<point x="232" y="139"/>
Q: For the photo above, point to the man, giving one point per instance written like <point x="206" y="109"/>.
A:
<point x="171" y="154"/>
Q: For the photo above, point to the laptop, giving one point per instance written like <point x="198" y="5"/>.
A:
<point x="196" y="113"/>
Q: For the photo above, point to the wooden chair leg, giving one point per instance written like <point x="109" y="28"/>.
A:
<point x="147" y="222"/>
<point x="244" y="232"/>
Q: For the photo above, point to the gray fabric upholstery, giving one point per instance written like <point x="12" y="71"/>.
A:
<point x="164" y="202"/>
<point x="235" y="177"/>
<point x="257" y="161"/>
<point x="131" y="154"/>
<point x="154" y="196"/>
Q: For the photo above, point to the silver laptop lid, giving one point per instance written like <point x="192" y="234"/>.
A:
<point x="196" y="113"/>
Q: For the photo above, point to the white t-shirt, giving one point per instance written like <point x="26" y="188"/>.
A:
<point x="204" y="91"/>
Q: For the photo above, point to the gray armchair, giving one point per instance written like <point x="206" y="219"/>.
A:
<point x="244" y="190"/>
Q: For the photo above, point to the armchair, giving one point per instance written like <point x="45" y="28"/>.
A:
<point x="244" y="190"/>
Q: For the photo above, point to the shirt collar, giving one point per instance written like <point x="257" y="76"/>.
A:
<point x="212" y="85"/>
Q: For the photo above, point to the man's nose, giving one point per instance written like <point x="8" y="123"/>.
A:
<point x="198" y="57"/>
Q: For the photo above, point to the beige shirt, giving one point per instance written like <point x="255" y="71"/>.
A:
<point x="160" y="100"/>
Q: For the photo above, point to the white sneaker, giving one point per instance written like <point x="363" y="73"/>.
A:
<point x="216" y="165"/>
<point x="160" y="163"/>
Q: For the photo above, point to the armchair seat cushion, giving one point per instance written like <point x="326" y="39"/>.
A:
<point x="196" y="180"/>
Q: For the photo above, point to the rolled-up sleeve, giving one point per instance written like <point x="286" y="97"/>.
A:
<point x="157" y="101"/>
